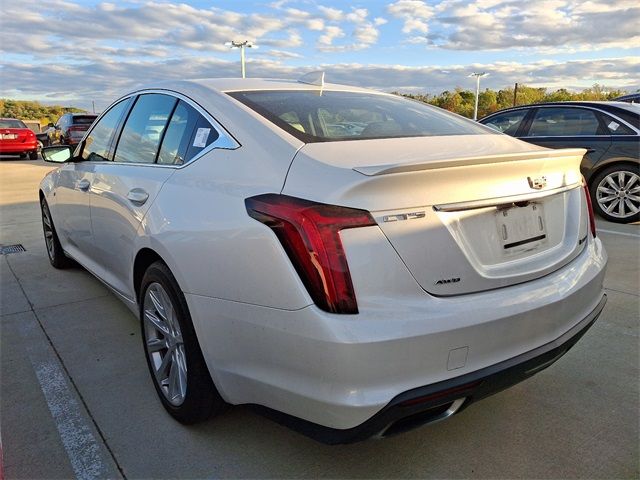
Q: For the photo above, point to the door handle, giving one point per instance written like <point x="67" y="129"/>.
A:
<point x="589" y="149"/>
<point x="137" y="196"/>
<point x="83" y="185"/>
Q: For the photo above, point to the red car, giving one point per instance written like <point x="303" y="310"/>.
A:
<point x="17" y="139"/>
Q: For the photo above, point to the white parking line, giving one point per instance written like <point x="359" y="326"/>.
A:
<point x="77" y="438"/>
<point x="613" y="232"/>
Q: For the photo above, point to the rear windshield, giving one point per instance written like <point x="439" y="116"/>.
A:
<point x="11" y="123"/>
<point x="335" y="116"/>
<point x="83" y="119"/>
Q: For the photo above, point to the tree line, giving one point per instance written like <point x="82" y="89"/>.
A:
<point x="462" y="101"/>
<point x="459" y="101"/>
<point x="30" y="110"/>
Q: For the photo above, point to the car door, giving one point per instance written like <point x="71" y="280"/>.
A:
<point x="71" y="207"/>
<point x="153" y="142"/>
<point x="569" y="127"/>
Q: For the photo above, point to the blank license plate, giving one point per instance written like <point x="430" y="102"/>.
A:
<point x="8" y="136"/>
<point x="521" y="229"/>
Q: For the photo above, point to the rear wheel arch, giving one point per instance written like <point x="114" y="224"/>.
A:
<point x="144" y="259"/>
<point x="617" y="162"/>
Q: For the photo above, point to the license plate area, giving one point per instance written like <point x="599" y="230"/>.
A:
<point x="521" y="228"/>
<point x="8" y="136"/>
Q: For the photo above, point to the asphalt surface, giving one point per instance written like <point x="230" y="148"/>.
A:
<point x="76" y="399"/>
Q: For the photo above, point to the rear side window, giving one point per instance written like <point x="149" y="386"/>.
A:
<point x="187" y="135"/>
<point x="564" y="122"/>
<point x="615" y="127"/>
<point x="507" y="122"/>
<point x="144" y="129"/>
<point x="98" y="142"/>
<point x="314" y="116"/>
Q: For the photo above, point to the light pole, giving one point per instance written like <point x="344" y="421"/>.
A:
<point x="477" y="75"/>
<point x="241" y="46"/>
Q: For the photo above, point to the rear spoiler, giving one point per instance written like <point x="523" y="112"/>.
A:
<point x="374" y="170"/>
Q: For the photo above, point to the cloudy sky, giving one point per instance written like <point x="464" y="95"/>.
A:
<point x="74" y="52"/>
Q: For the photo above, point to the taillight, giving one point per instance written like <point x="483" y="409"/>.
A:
<point x="592" y="218"/>
<point x="309" y="234"/>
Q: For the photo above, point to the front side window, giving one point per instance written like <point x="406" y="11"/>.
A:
<point x="314" y="116"/>
<point x="564" y="122"/>
<point x="98" y="142"/>
<point x="144" y="129"/>
<point x="187" y="135"/>
<point x="507" y="122"/>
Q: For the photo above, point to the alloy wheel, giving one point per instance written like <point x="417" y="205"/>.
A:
<point x="47" y="226"/>
<point x="618" y="194"/>
<point x="164" y="344"/>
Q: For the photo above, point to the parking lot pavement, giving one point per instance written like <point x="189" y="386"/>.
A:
<point x="76" y="398"/>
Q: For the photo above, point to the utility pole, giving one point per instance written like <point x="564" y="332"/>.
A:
<point x="515" y="94"/>
<point x="477" y="75"/>
<point x="241" y="46"/>
<point x="93" y="105"/>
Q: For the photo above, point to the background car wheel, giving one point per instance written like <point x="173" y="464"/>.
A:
<point x="54" y="250"/>
<point x="175" y="361"/>
<point x="615" y="193"/>
<point x="23" y="155"/>
<point x="33" y="155"/>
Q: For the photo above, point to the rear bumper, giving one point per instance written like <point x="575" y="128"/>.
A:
<point x="18" y="147"/>
<point x="339" y="372"/>
<point x="439" y="401"/>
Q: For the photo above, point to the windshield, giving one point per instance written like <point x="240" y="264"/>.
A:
<point x="334" y="116"/>
<point x="11" y="123"/>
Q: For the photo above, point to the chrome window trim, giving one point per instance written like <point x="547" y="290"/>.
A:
<point x="225" y="140"/>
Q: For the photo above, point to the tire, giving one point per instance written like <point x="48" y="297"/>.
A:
<point x="54" y="250"/>
<point x="182" y="381"/>
<point x="615" y="193"/>
<point x="23" y="156"/>
<point x="33" y="155"/>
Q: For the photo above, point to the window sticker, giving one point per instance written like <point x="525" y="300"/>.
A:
<point x="201" y="137"/>
<point x="613" y="126"/>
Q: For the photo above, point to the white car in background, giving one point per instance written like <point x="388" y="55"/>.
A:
<point x="349" y="286"/>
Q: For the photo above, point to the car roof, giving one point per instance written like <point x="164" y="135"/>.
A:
<point x="608" y="105"/>
<point x="226" y="85"/>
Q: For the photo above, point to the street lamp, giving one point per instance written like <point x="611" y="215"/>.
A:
<point x="241" y="46"/>
<point x="477" y="75"/>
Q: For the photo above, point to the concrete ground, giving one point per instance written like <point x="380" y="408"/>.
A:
<point x="76" y="399"/>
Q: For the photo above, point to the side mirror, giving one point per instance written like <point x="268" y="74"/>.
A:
<point x="57" y="154"/>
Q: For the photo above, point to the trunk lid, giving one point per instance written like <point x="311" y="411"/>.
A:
<point x="465" y="213"/>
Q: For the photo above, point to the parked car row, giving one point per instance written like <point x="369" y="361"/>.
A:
<point x="610" y="133"/>
<point x="26" y="138"/>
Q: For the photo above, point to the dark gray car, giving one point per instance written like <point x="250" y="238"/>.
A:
<point x="609" y="131"/>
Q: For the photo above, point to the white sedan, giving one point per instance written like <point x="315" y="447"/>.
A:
<point x="348" y="282"/>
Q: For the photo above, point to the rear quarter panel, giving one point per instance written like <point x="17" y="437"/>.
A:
<point x="199" y="225"/>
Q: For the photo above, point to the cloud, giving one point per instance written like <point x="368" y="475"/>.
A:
<point x="544" y="25"/>
<point x="414" y="13"/>
<point x="104" y="81"/>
